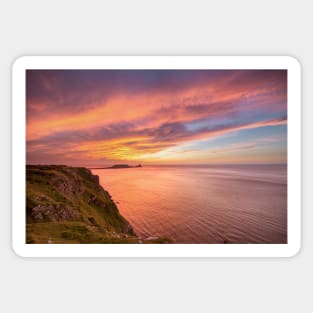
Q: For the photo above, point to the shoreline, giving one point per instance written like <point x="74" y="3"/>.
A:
<point x="68" y="205"/>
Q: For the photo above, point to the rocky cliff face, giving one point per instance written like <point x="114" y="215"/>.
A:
<point x="68" y="205"/>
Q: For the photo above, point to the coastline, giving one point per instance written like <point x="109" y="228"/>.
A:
<point x="68" y="205"/>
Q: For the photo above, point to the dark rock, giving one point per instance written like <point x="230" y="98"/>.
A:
<point x="51" y="213"/>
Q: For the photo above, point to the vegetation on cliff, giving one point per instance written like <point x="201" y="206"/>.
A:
<point x="68" y="205"/>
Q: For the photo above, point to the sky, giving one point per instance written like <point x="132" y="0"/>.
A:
<point x="103" y="117"/>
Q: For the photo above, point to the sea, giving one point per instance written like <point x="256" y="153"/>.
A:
<point x="202" y="204"/>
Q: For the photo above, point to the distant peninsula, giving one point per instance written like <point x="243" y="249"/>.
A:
<point x="117" y="166"/>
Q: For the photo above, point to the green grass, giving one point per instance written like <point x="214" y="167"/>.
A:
<point x="80" y="233"/>
<point x="72" y="232"/>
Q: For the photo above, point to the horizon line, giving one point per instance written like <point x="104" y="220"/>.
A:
<point x="151" y="164"/>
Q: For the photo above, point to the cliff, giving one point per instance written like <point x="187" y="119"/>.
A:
<point x="68" y="205"/>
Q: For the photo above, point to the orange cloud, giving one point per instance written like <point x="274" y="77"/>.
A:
<point x="141" y="124"/>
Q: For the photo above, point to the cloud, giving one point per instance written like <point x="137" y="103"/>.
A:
<point x="106" y="115"/>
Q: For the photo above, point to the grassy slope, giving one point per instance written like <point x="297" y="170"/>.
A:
<point x="68" y="205"/>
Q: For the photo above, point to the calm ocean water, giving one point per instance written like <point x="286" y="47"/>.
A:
<point x="203" y="204"/>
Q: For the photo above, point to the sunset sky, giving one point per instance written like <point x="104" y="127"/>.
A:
<point x="103" y="117"/>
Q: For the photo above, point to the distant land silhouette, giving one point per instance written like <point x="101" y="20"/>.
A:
<point x="116" y="166"/>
